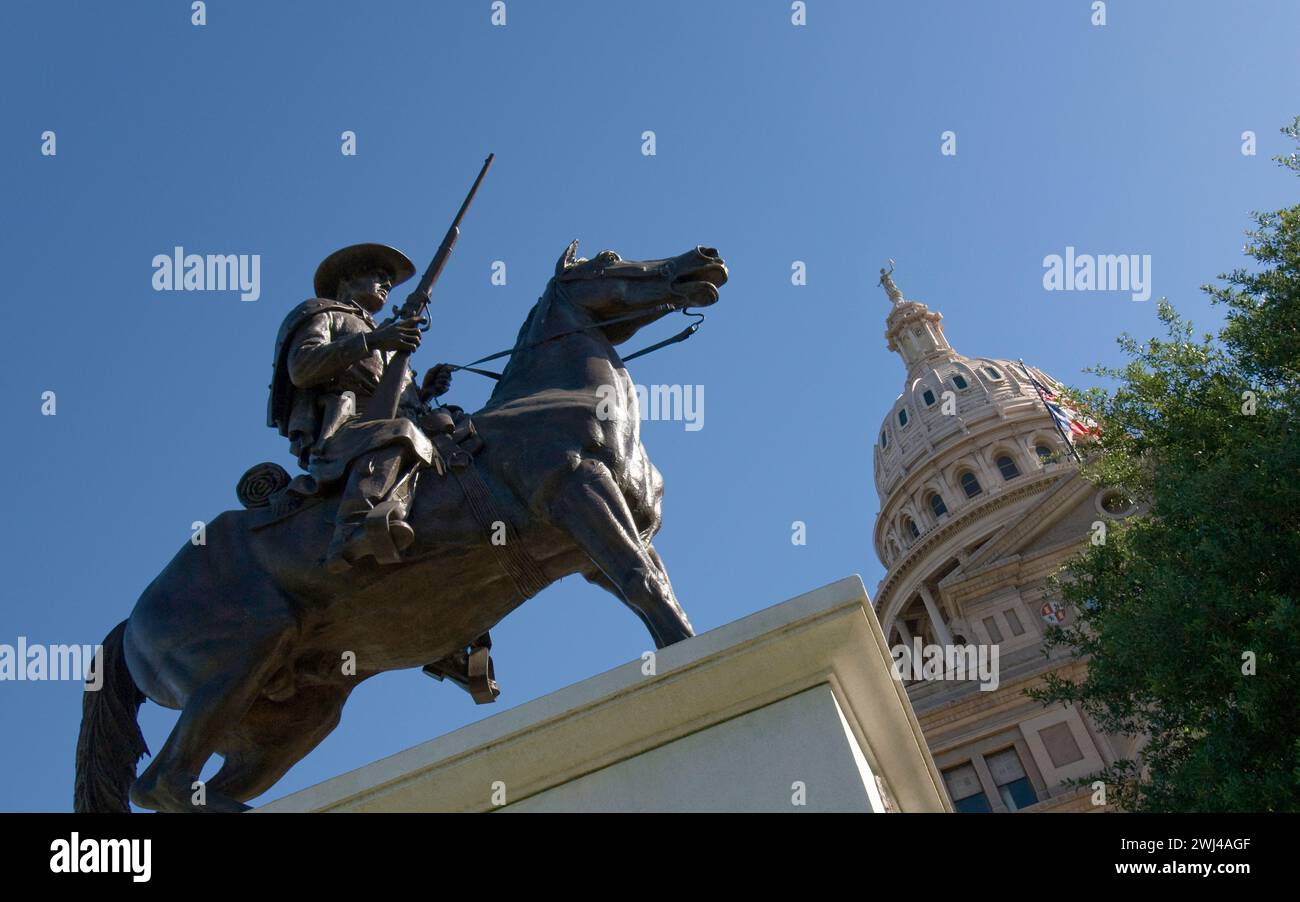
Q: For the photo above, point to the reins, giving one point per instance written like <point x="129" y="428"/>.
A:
<point x="655" y="311"/>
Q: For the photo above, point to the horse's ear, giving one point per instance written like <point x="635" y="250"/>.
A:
<point x="568" y="258"/>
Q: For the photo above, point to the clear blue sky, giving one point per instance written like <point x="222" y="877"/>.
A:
<point x="775" y="143"/>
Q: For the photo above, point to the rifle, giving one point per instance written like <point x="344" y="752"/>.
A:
<point x="388" y="394"/>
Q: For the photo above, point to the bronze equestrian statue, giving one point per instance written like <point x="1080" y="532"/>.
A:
<point x="403" y="543"/>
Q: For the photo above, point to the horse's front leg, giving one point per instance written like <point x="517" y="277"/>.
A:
<point x="592" y="510"/>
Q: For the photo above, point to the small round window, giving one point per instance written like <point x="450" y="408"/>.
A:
<point x="1115" y="503"/>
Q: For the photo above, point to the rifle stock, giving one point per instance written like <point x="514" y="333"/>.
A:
<point x="388" y="395"/>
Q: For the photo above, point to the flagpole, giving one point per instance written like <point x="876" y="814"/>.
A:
<point x="1057" y="423"/>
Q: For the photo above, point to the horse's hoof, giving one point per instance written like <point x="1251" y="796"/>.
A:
<point x="144" y="795"/>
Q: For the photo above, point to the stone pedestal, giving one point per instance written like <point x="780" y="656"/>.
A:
<point x="794" y="708"/>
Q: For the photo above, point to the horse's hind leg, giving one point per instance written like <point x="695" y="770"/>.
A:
<point x="594" y="513"/>
<point x="221" y="700"/>
<point x="275" y="736"/>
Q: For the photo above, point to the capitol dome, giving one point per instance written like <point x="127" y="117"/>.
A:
<point x="962" y="430"/>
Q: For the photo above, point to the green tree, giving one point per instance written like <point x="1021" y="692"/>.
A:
<point x="1188" y="614"/>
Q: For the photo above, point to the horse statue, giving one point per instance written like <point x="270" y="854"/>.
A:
<point x="247" y="635"/>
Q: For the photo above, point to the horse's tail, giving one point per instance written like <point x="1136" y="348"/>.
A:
<point x="110" y="743"/>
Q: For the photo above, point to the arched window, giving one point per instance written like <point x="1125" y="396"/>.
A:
<point x="970" y="485"/>
<point x="902" y="418"/>
<point x="959" y="380"/>
<point x="993" y="372"/>
<point x="884" y="439"/>
<point x="1044" y="453"/>
<point x="929" y="398"/>
<point x="1008" y="467"/>
<point x="937" y="505"/>
<point x="910" y="524"/>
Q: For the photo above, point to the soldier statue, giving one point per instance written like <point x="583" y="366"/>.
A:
<point x="329" y="358"/>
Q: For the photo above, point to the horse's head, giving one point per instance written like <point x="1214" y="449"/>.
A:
<point x="607" y="287"/>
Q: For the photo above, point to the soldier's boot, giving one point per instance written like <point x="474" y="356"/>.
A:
<point x="368" y="522"/>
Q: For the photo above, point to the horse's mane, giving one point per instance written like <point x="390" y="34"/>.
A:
<point x="536" y="317"/>
<point x="533" y="328"/>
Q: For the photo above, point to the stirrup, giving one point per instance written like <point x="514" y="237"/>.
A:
<point x="473" y="672"/>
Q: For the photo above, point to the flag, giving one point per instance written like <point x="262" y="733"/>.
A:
<point x="1072" y="423"/>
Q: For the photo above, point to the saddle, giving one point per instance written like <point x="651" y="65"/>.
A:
<point x="268" y="489"/>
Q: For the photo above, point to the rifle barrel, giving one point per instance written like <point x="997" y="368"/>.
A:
<point x="388" y="395"/>
<point x="425" y="287"/>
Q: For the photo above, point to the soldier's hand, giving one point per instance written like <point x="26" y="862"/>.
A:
<point x="436" y="381"/>
<point x="402" y="335"/>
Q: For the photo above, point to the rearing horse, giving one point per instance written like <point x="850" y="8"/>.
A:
<point x="247" y="635"/>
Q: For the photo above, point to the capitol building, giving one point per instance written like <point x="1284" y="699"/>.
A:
<point x="980" y="502"/>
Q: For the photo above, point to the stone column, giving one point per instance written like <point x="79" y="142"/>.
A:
<point x="940" y="628"/>
<point x="903" y="631"/>
<point x="990" y="788"/>
<point x="903" y="666"/>
<point x="992" y="477"/>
